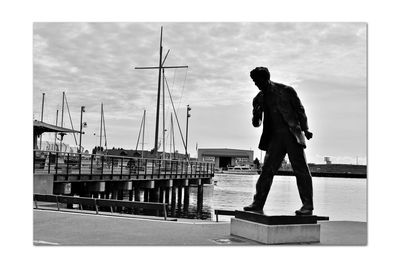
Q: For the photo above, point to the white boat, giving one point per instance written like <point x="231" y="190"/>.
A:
<point x="245" y="169"/>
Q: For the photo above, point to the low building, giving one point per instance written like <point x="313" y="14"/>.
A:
<point x="224" y="157"/>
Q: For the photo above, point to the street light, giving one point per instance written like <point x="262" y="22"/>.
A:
<point x="187" y="123"/>
<point x="80" y="131"/>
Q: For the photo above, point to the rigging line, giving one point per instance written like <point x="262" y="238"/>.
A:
<point x="70" y="119"/>
<point x="176" y="117"/>
<point x="183" y="88"/>
<point x="173" y="81"/>
<point x="140" y="131"/>
<point x="172" y="89"/>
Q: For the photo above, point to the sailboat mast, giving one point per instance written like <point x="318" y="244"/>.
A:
<point x="62" y="119"/>
<point x="173" y="135"/>
<point x="140" y="132"/>
<point x="159" y="67"/>
<point x="163" y="74"/>
<point x="105" y="134"/>
<point x="101" y="123"/>
<point x="170" y="139"/>
<point x="41" y="120"/>
<point x="158" y="97"/>
<point x="144" y="127"/>
<point x="55" y="134"/>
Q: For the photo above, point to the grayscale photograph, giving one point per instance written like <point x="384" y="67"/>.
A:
<point x="199" y="133"/>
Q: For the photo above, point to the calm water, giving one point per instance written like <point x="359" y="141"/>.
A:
<point x="338" y="198"/>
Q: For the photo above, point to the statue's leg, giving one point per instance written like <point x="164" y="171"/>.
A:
<point x="272" y="162"/>
<point x="303" y="176"/>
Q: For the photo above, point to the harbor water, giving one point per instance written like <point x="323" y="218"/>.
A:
<point x="342" y="199"/>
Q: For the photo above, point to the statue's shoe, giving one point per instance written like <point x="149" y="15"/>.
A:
<point x="303" y="212"/>
<point x="253" y="208"/>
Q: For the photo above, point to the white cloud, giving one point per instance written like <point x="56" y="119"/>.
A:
<point x="94" y="63"/>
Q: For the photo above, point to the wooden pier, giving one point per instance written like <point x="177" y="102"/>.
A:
<point x="113" y="177"/>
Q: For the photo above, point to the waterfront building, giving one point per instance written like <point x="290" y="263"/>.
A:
<point x="224" y="157"/>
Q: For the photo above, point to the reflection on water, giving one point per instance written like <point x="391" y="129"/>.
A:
<point x="338" y="198"/>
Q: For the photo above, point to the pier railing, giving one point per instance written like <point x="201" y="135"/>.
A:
<point x="65" y="165"/>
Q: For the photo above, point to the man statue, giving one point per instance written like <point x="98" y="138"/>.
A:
<point x="283" y="125"/>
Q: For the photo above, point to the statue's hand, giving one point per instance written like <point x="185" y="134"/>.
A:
<point x="308" y="135"/>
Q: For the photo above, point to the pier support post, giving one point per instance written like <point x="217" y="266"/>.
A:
<point x="137" y="193"/>
<point x="146" y="195"/>
<point x="154" y="197"/>
<point x="199" y="200"/>
<point x="130" y="195"/>
<point x="114" y="194"/>
<point x="162" y="195"/>
<point x="167" y="189"/>
<point x="179" y="200"/>
<point x="120" y="195"/>
<point x="186" y="195"/>
<point x="173" y="201"/>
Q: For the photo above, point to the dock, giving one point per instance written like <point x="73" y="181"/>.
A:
<point x="115" y="177"/>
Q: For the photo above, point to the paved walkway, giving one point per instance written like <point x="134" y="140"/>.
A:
<point x="69" y="228"/>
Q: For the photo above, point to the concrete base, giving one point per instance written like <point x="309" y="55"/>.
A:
<point x="43" y="184"/>
<point x="276" y="234"/>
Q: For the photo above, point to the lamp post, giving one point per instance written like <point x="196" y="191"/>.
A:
<point x="80" y="131"/>
<point x="187" y="123"/>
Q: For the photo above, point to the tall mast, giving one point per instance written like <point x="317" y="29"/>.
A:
<point x="159" y="67"/>
<point x="41" y="119"/>
<point x="170" y="139"/>
<point x="144" y="127"/>
<point x="187" y="123"/>
<point x="62" y="119"/>
<point x="140" y="132"/>
<point x="173" y="135"/>
<point x="158" y="97"/>
<point x="55" y="134"/>
<point x="101" y="123"/>
<point x="105" y="133"/>
<point x="163" y="90"/>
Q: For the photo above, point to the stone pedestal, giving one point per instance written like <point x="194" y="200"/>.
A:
<point x="268" y="230"/>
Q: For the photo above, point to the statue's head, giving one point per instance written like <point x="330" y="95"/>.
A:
<point x="260" y="76"/>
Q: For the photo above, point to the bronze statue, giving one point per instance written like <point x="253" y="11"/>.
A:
<point x="283" y="125"/>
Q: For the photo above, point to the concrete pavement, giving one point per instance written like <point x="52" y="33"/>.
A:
<point x="70" y="228"/>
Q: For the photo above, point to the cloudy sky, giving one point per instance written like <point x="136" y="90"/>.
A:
<point x="94" y="62"/>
